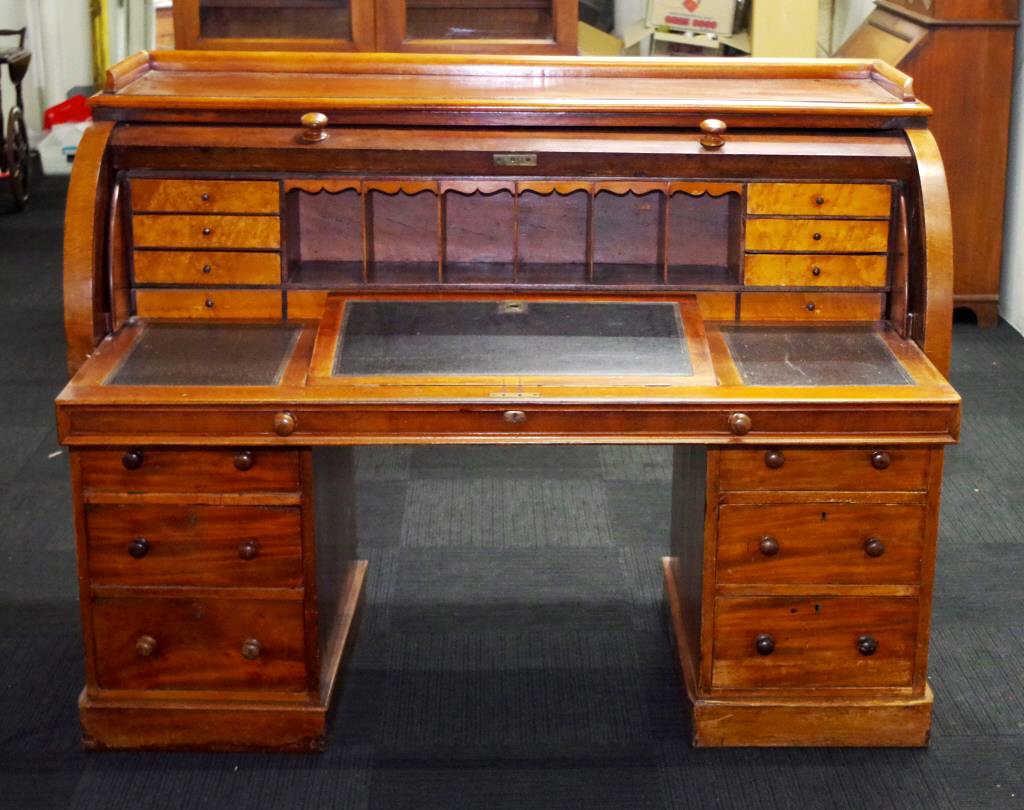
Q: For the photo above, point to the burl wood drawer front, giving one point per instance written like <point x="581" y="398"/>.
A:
<point x="224" y="196"/>
<point x="894" y="469"/>
<point x="810" y="306"/>
<point x="811" y="270"/>
<point x="205" y="268"/>
<point x="209" y="303"/>
<point x="820" y="543"/>
<point x="132" y="469"/>
<point x="172" y="643"/>
<point x="787" y="642"/>
<point x="205" y="231"/>
<point x="819" y="199"/>
<point x="194" y="545"/>
<point x="817" y="235"/>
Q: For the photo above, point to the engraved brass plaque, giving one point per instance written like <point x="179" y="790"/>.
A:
<point x="515" y="158"/>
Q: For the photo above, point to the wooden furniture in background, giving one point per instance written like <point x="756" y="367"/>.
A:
<point x="468" y="26"/>
<point x="750" y="261"/>
<point x="961" y="54"/>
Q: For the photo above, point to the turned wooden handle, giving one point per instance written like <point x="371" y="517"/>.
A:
<point x="764" y="644"/>
<point x="768" y="546"/>
<point x="244" y="460"/>
<point x="132" y="459"/>
<point x="774" y="459"/>
<point x="248" y="549"/>
<point x="867" y="645"/>
<point x="145" y="646"/>
<point x="712" y="130"/>
<point x="284" y="423"/>
<point x="313" y="125"/>
<point x="740" y="424"/>
<point x="251" y="649"/>
<point x="881" y="460"/>
<point x="138" y="548"/>
<point x="874" y="547"/>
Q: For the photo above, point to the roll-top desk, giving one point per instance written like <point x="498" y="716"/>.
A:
<point x="272" y="258"/>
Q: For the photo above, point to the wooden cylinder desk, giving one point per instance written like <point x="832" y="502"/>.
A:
<point x="273" y="258"/>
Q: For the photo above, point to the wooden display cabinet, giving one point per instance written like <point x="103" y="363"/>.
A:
<point x="473" y="26"/>
<point x="272" y="258"/>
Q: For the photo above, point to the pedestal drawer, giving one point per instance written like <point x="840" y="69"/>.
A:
<point x="194" y="545"/>
<point x="184" y="643"/>
<point x="132" y="469"/>
<point x="820" y="543"/>
<point x="809" y="642"/>
<point x="894" y="469"/>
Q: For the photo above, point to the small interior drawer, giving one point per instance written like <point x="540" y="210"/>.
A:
<point x="209" y="303"/>
<point x="814" y="270"/>
<point x="215" y="196"/>
<point x="205" y="268"/>
<point x="205" y="231"/>
<point x="819" y="199"/>
<point x="818" y="235"/>
<point x="832" y="470"/>
<point x="810" y="306"/>
<point x="820" y="543"/>
<point x="813" y="642"/>
<point x="131" y="470"/>
<point x="197" y="643"/>
<point x="194" y="545"/>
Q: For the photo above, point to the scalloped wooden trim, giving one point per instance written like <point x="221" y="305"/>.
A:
<point x="400" y="186"/>
<point x="545" y="187"/>
<point x="477" y="186"/>
<point x="700" y="189"/>
<point x="623" y="187"/>
<point x="330" y="186"/>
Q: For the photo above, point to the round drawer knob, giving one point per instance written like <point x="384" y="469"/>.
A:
<point x="881" y="460"/>
<point x="138" y="548"/>
<point x="207" y="231"/>
<point x="284" y="423"/>
<point x="208" y="303"/>
<point x="740" y="424"/>
<point x="712" y="130"/>
<point x="244" y="460"/>
<point x="132" y="459"/>
<point x="145" y="646"/>
<point x="815" y="271"/>
<point x="313" y="125"/>
<point x="251" y="649"/>
<point x="248" y="549"/>
<point x="810" y="306"/>
<point x="774" y="459"/>
<point x="207" y="268"/>
<point x="819" y="200"/>
<point x="867" y="645"/>
<point x="205" y="196"/>
<point x="764" y="644"/>
<point x="874" y="547"/>
<point x="515" y="417"/>
<point x="816" y="236"/>
<point x="768" y="546"/>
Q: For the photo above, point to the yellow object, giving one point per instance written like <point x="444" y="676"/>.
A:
<point x="787" y="29"/>
<point x="100" y="41"/>
<point x="595" y="42"/>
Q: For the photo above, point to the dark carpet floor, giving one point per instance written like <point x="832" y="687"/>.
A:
<point x="512" y="651"/>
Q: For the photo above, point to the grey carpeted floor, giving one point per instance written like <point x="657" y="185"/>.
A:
<point x="512" y="651"/>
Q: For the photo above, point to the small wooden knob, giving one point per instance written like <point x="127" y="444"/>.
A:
<point x="207" y="230"/>
<point x="248" y="549"/>
<point x="515" y="417"/>
<point x="251" y="649"/>
<point x="244" y="460"/>
<point x="713" y="129"/>
<point x="810" y="306"/>
<point x="774" y="459"/>
<point x="874" y="547"/>
<point x="881" y="460"/>
<point x="816" y="237"/>
<point x="145" y="646"/>
<point x="764" y="644"/>
<point x="768" y="546"/>
<point x="867" y="645"/>
<point x="815" y="271"/>
<point x="284" y="423"/>
<point x="205" y="196"/>
<point x="740" y="424"/>
<point x="132" y="459"/>
<point x="819" y="200"/>
<point x="209" y="303"/>
<point x="207" y="268"/>
<point x="138" y="548"/>
<point x="313" y="124"/>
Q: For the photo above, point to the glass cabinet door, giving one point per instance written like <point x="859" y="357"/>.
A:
<point x="306" y="25"/>
<point x="481" y="26"/>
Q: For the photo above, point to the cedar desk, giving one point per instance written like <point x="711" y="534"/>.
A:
<point x="529" y="250"/>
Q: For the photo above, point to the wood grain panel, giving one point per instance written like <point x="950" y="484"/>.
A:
<point x="194" y="545"/>
<point x="199" y="643"/>
<point x="820" y="543"/>
<point x="838" y="470"/>
<point x="213" y="196"/>
<point x="206" y="268"/>
<point x="205" y="231"/>
<point x="818" y="235"/>
<point x="819" y="199"/>
<point x="172" y="470"/>
<point x="815" y="642"/>
<point x="810" y="306"/>
<point x="306" y="304"/>
<point x="717" y="306"/>
<point x="798" y="270"/>
<point x="208" y="303"/>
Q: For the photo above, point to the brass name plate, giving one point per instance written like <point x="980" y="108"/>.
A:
<point x="515" y="159"/>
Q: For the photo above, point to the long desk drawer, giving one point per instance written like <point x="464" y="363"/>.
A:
<point x="221" y="196"/>
<point x="819" y="199"/>
<point x="820" y="543"/>
<point x="817" y="235"/>
<point x="130" y="470"/>
<point x="878" y="469"/>
<point x="194" y="545"/>
<point x="812" y="642"/>
<point x="205" y="231"/>
<point x="199" y="643"/>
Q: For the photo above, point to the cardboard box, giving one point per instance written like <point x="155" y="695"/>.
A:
<point x="703" y="16"/>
